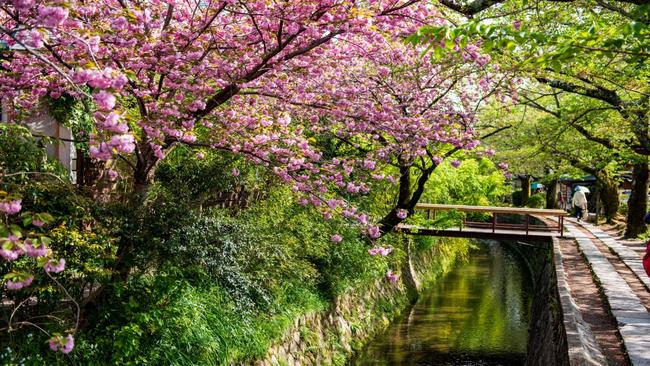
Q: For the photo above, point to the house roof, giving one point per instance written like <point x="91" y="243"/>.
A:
<point x="584" y="180"/>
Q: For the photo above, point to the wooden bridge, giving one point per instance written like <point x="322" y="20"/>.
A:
<point x="492" y="229"/>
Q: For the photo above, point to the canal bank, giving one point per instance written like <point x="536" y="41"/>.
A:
<point x="333" y="336"/>
<point x="481" y="312"/>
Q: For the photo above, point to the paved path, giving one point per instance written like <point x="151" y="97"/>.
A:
<point x="630" y="313"/>
<point x="631" y="257"/>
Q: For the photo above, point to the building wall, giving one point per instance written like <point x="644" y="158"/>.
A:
<point x="62" y="149"/>
<point x="42" y="124"/>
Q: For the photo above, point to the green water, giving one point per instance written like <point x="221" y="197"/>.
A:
<point x="475" y="315"/>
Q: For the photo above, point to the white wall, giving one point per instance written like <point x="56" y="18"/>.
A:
<point x="43" y="124"/>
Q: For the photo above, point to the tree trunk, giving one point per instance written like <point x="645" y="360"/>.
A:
<point x="88" y="170"/>
<point x="637" y="205"/>
<point x="145" y="167"/>
<point x="551" y="195"/>
<point x="407" y="198"/>
<point x="525" y="190"/>
<point x="608" y="195"/>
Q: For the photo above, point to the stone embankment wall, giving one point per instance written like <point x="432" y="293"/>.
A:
<point x="331" y="337"/>
<point x="547" y="345"/>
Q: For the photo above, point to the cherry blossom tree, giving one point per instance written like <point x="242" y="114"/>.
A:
<point x="173" y="65"/>
<point x="390" y="106"/>
<point x="248" y="75"/>
<point x="258" y="78"/>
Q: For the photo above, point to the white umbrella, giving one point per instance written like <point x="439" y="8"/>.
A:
<point x="583" y="189"/>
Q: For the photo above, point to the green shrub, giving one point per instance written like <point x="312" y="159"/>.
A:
<point x="517" y="198"/>
<point x="20" y="152"/>
<point x="474" y="182"/>
<point x="537" y="200"/>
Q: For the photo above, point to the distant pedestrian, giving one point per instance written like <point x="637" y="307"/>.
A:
<point x="646" y="257"/>
<point x="579" y="202"/>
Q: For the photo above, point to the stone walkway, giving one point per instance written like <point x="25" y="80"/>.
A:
<point x="629" y="311"/>
<point x="631" y="257"/>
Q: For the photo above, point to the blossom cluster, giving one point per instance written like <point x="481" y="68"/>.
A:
<point x="20" y="242"/>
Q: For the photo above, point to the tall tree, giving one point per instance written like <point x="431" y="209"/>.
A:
<point x="600" y="56"/>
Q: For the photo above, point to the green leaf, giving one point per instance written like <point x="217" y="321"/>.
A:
<point x="438" y="53"/>
<point x="45" y="240"/>
<point x="463" y="42"/>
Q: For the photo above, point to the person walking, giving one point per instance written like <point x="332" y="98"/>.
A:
<point x="579" y="202"/>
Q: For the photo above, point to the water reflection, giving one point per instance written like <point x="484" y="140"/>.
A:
<point x="476" y="315"/>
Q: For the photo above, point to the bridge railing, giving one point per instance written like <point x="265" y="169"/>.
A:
<point x="494" y="211"/>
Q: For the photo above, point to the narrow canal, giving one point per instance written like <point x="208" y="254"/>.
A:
<point x="477" y="314"/>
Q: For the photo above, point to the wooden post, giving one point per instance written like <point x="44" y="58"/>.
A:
<point x="527" y="222"/>
<point x="494" y="222"/>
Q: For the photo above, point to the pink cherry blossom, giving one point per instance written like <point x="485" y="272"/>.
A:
<point x="384" y="251"/>
<point x="392" y="277"/>
<point x="112" y="175"/>
<point x="275" y="86"/>
<point x="374" y="232"/>
<point x="502" y="166"/>
<point x="11" y="207"/>
<point x="455" y="163"/>
<point x="24" y="4"/>
<point x="123" y="143"/>
<point x="401" y="213"/>
<point x="31" y="251"/>
<point x="101" y="151"/>
<point x="69" y="344"/>
<point x="336" y="238"/>
<point x="104" y="100"/>
<point x="10" y="254"/>
<point x="52" y="16"/>
<point x="17" y="285"/>
<point x="363" y="219"/>
<point x="54" y="266"/>
<point x="31" y="38"/>
<point x="369" y="164"/>
<point x="65" y="344"/>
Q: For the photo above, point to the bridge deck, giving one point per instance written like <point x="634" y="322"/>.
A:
<point x="493" y="229"/>
<point x="492" y="209"/>
<point x="481" y="233"/>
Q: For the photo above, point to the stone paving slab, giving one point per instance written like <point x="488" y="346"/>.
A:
<point x="626" y="306"/>
<point x="581" y="342"/>
<point x="631" y="258"/>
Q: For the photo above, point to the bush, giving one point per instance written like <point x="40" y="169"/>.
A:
<point x="517" y="198"/>
<point x="20" y="152"/>
<point x="537" y="200"/>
